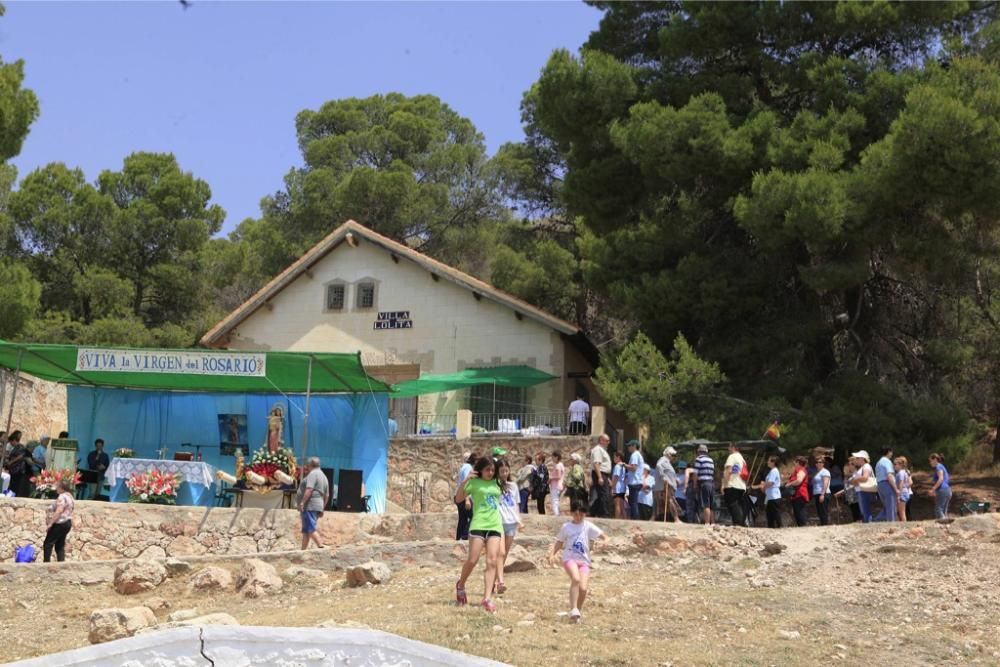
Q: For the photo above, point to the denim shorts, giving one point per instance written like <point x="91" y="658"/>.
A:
<point x="510" y="529"/>
<point x="707" y="495"/>
<point x="309" y="520"/>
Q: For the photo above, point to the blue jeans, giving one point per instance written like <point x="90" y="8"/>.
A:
<point x="865" y="503"/>
<point x="524" y="500"/>
<point x="633" y="501"/>
<point x="888" y="497"/>
<point x="942" y="497"/>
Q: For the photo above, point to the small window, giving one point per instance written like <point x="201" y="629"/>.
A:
<point x="335" y="297"/>
<point x="366" y="295"/>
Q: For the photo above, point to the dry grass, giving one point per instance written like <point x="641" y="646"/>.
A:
<point x="653" y="611"/>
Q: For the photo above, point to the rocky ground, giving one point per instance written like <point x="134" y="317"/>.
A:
<point x="910" y="594"/>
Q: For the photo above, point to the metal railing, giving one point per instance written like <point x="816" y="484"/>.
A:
<point x="514" y="422"/>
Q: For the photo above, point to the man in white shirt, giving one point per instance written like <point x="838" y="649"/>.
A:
<point x="600" y="477"/>
<point x="734" y="489"/>
<point x="665" y="472"/>
<point x="579" y="411"/>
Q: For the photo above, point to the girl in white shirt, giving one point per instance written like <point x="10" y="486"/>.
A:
<point x="510" y="517"/>
<point x="556" y="474"/>
<point x="574" y="539"/>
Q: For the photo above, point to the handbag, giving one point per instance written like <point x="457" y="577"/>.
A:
<point x="869" y="485"/>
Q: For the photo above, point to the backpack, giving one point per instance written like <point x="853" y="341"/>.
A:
<point x="25" y="554"/>
<point x="540" y="481"/>
<point x="745" y="472"/>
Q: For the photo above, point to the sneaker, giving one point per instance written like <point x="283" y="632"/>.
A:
<point x="489" y="606"/>
<point x="460" y="597"/>
<point x="501" y="588"/>
<point x="575" y="615"/>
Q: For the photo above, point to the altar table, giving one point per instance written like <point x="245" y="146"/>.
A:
<point x="198" y="479"/>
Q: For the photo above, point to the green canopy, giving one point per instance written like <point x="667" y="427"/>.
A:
<point x="192" y="369"/>
<point x="505" y="376"/>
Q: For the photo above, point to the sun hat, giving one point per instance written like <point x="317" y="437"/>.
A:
<point x="669" y="451"/>
<point x="861" y="454"/>
<point x="499" y="451"/>
<point x="632" y="443"/>
<point x="682" y="464"/>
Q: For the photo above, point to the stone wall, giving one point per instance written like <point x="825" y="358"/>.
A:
<point x="422" y="470"/>
<point x="40" y="407"/>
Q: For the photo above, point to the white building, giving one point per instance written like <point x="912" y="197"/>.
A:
<point x="410" y="315"/>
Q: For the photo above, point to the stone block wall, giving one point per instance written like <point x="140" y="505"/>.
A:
<point x="422" y="470"/>
<point x="40" y="406"/>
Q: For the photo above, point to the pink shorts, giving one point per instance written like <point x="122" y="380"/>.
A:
<point x="583" y="567"/>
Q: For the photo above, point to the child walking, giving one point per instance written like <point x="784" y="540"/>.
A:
<point x="485" y="531"/>
<point x="574" y="539"/>
<point x="510" y="517"/>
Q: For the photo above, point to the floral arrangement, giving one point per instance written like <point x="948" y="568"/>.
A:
<point x="124" y="453"/>
<point x="45" y="482"/>
<point x="153" y="486"/>
<point x="265" y="462"/>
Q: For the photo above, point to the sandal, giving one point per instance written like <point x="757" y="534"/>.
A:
<point x="460" y="597"/>
<point x="489" y="606"/>
<point x="501" y="587"/>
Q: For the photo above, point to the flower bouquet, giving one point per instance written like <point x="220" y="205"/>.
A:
<point x="45" y="482"/>
<point x="124" y="453"/>
<point x="153" y="486"/>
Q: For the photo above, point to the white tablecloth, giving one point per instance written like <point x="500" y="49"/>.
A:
<point x="195" y="472"/>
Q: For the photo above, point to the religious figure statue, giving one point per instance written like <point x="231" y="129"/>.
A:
<point x="275" y="428"/>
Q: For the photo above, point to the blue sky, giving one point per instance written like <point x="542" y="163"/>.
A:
<point x="219" y="84"/>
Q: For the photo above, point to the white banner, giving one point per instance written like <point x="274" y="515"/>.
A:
<point x="241" y="364"/>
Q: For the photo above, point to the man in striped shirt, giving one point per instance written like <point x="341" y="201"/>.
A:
<point x="704" y="468"/>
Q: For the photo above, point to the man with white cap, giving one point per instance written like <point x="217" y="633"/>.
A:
<point x="665" y="471"/>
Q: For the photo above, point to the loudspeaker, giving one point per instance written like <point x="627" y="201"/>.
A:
<point x="349" y="491"/>
<point x="329" y="480"/>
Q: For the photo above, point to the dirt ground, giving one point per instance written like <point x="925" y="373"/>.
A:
<point x="907" y="594"/>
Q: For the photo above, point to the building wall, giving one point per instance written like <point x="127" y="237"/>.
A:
<point x="452" y="330"/>
<point x="40" y="407"/>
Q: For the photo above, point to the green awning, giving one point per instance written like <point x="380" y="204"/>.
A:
<point x="505" y="376"/>
<point x="191" y="369"/>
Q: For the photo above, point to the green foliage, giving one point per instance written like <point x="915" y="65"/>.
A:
<point x="665" y="393"/>
<point x="19" y="298"/>
<point x="18" y="108"/>
<point x="809" y="191"/>
<point x="410" y="168"/>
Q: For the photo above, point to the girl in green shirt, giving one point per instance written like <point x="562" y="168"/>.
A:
<point x="485" y="531"/>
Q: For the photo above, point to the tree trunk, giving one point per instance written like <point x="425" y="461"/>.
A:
<point x="996" y="438"/>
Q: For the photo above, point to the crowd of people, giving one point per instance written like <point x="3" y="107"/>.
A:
<point x="492" y="496"/>
<point x="623" y="485"/>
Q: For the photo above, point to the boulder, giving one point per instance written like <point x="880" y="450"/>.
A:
<point x="211" y="578"/>
<point x="138" y="576"/>
<point x="519" y="561"/>
<point x="157" y="604"/>
<point x="109" y="624"/>
<point x="372" y="572"/>
<point x="183" y="615"/>
<point x="208" y="619"/>
<point x="152" y="552"/>
<point x="257" y="579"/>
<point x="176" y="566"/>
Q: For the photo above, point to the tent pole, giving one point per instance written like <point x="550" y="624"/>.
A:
<point x="305" y="419"/>
<point x="10" y="411"/>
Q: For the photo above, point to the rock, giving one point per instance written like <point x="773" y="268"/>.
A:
<point x="242" y="544"/>
<point x="518" y="560"/>
<point x="183" y="615"/>
<point x="157" y="604"/>
<point x="372" y="572"/>
<point x="153" y="552"/>
<point x="614" y="559"/>
<point x="176" y="566"/>
<point x="525" y="624"/>
<point x="109" y="624"/>
<point x="208" y="619"/>
<point x="789" y="634"/>
<point x="299" y="572"/>
<point x="528" y="617"/>
<point x="137" y="576"/>
<point x="211" y="578"/>
<point x="257" y="579"/>
<point x="182" y="545"/>
<point x="772" y="549"/>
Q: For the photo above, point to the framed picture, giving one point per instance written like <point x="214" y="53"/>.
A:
<point x="233" y="435"/>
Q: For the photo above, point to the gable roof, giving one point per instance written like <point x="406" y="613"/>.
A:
<point x="352" y="231"/>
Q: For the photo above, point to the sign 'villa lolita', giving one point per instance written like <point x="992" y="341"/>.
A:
<point x="242" y="364"/>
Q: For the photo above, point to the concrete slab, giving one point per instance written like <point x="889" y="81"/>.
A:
<point x="243" y="646"/>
